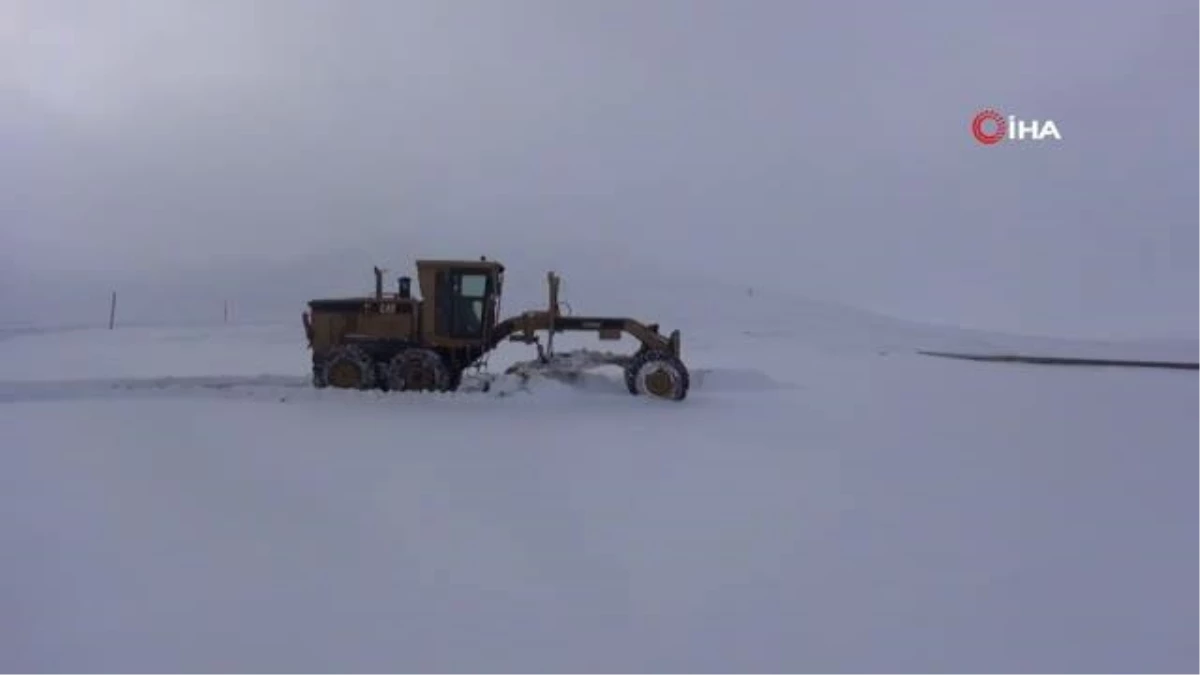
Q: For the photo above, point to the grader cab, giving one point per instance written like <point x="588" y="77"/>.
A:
<point x="397" y="342"/>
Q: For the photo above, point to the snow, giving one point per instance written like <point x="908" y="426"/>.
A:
<point x="179" y="499"/>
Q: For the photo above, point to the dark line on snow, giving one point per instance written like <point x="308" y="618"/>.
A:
<point x="1064" y="360"/>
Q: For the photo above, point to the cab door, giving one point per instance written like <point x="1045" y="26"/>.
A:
<point x="464" y="304"/>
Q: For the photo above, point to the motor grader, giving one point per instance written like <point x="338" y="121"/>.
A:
<point x="394" y="341"/>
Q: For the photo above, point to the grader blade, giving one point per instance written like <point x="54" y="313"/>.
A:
<point x="567" y="366"/>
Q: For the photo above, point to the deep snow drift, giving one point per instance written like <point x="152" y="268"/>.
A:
<point x="826" y="500"/>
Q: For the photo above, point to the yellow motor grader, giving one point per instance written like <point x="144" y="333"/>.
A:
<point x="397" y="342"/>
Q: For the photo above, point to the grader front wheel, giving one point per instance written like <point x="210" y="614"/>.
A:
<point x="657" y="374"/>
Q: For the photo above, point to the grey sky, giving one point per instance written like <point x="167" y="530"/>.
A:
<point x="818" y="147"/>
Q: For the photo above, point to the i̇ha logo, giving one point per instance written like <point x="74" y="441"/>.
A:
<point x="990" y="127"/>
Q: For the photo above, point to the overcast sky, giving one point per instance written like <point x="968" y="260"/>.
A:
<point x="821" y="148"/>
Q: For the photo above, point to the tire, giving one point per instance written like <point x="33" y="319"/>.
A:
<point x="318" y="372"/>
<point x="657" y="374"/>
<point x="348" y="367"/>
<point x="418" y="370"/>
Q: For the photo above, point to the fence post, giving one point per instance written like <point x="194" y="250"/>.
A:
<point x="112" y="311"/>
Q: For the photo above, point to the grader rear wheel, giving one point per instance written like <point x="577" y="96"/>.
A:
<point x="348" y="368"/>
<point x="318" y="373"/>
<point x="657" y="374"/>
<point x="418" y="370"/>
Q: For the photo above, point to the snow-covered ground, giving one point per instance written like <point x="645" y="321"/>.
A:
<point x="178" y="499"/>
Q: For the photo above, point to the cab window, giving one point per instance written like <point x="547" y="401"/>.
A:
<point x="474" y="286"/>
